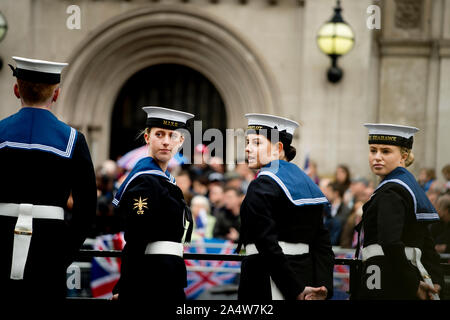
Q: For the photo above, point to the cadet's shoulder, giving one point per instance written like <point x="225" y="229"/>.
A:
<point x="263" y="183"/>
<point x="391" y="189"/>
<point x="145" y="180"/>
<point x="6" y="123"/>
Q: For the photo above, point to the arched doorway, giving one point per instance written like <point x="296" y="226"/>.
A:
<point x="164" y="85"/>
<point x="145" y="37"/>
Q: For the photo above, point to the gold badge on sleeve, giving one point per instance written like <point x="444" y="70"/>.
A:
<point x="140" y="204"/>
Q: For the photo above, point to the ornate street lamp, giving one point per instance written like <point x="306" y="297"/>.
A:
<point x="3" y="29"/>
<point x="335" y="38"/>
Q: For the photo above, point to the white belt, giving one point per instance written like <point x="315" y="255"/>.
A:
<point x="287" y="248"/>
<point x="23" y="230"/>
<point x="412" y="254"/>
<point x="165" y="247"/>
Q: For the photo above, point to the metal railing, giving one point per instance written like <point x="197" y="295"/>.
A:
<point x="86" y="255"/>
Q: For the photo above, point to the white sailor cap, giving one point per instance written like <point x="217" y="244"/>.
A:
<point x="285" y="127"/>
<point x="166" y="118"/>
<point x="392" y="134"/>
<point x="39" y="71"/>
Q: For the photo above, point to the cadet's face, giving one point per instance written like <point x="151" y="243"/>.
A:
<point x="259" y="151"/>
<point x="164" y="143"/>
<point x="384" y="158"/>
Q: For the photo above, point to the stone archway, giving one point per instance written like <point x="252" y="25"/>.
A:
<point x="141" y="38"/>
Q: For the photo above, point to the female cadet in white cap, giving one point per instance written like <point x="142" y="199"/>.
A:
<point x="289" y="254"/>
<point x="157" y="219"/>
<point x="399" y="260"/>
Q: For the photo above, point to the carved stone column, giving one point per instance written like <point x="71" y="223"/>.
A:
<point x="409" y="72"/>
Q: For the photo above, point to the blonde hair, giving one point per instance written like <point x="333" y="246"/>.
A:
<point x="142" y="133"/>
<point x="410" y="159"/>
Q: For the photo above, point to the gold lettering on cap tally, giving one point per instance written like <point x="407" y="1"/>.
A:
<point x="254" y="127"/>
<point x="170" y="123"/>
<point x="383" y="138"/>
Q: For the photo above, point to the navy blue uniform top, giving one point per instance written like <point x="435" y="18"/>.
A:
<point x="283" y="204"/>
<point x="397" y="216"/>
<point x="154" y="209"/>
<point x="43" y="162"/>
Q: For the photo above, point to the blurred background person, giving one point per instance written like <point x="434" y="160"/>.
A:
<point x="106" y="221"/>
<point x="357" y="191"/>
<point x="311" y="171"/>
<point x="337" y="216"/>
<point x="441" y="231"/>
<point x="184" y="183"/>
<point x="234" y="180"/>
<point x="342" y="177"/>
<point x="349" y="235"/>
<point x="247" y="175"/>
<point x="200" y="185"/>
<point x="323" y="184"/>
<point x="427" y="176"/>
<point x="434" y="192"/>
<point x="216" y="197"/>
<point x="201" y="215"/>
<point x="228" y="220"/>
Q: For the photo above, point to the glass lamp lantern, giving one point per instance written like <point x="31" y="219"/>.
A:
<point x="335" y="38"/>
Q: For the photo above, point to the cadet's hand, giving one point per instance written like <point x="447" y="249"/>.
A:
<point x="425" y="291"/>
<point x="437" y="289"/>
<point x="115" y="297"/>
<point x="312" y="293"/>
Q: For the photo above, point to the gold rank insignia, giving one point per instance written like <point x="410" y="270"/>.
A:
<point x="140" y="204"/>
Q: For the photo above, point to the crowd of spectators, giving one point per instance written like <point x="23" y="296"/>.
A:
<point x="215" y="196"/>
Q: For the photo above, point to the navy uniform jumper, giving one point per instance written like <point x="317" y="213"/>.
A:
<point x="154" y="210"/>
<point x="397" y="216"/>
<point x="43" y="162"/>
<point x="284" y="205"/>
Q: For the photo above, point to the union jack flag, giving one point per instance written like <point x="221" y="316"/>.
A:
<point x="203" y="275"/>
<point x="341" y="278"/>
<point x="105" y="272"/>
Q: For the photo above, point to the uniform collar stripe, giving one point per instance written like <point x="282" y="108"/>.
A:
<point x="297" y="202"/>
<point x="404" y="185"/>
<point x="152" y="172"/>
<point x="66" y="154"/>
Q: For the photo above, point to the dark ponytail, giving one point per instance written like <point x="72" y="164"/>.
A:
<point x="290" y="152"/>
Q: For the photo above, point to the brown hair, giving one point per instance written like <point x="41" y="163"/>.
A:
<point x="289" y="152"/>
<point x="35" y="93"/>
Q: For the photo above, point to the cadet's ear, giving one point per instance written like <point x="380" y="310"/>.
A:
<point x="181" y="139"/>
<point x="280" y="146"/>
<point x="56" y="94"/>
<point x="16" y="91"/>
<point x="147" y="133"/>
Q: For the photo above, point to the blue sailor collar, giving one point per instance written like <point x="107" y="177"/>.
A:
<point x="37" y="129"/>
<point x="298" y="187"/>
<point x="146" y="165"/>
<point x="423" y="208"/>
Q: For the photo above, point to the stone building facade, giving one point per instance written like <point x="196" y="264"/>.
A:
<point x="261" y="56"/>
